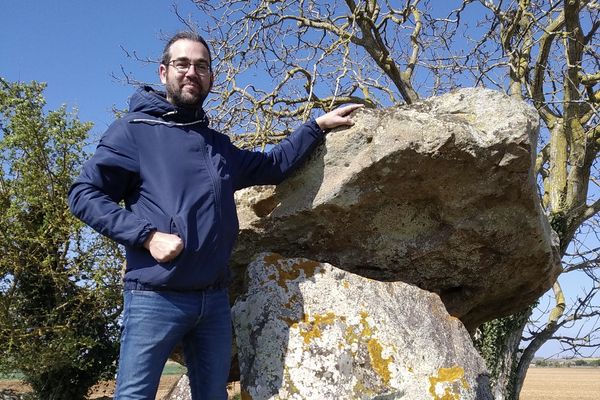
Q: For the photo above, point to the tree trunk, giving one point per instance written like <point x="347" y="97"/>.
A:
<point x="498" y="342"/>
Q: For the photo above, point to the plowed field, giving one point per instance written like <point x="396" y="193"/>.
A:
<point x="562" y="384"/>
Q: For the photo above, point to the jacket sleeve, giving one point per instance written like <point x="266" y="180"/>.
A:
<point x="271" y="168"/>
<point x="111" y="175"/>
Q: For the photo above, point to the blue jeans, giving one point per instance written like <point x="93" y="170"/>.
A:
<point x="154" y="322"/>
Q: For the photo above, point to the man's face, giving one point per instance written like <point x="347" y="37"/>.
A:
<point x="187" y="89"/>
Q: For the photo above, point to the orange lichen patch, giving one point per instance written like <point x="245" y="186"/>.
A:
<point x="313" y="328"/>
<point x="290" y="321"/>
<point x="450" y="377"/>
<point x="292" y="272"/>
<point x="245" y="395"/>
<point x="272" y="258"/>
<point x="291" y="300"/>
<point x="380" y="365"/>
<point x="309" y="267"/>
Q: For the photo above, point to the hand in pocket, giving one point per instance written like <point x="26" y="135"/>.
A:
<point x="164" y="247"/>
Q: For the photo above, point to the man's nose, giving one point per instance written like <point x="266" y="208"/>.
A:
<point x="191" y="71"/>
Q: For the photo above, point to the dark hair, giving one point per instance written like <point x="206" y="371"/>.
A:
<point x="187" y="35"/>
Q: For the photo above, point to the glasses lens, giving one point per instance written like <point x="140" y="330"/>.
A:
<point x="181" y="65"/>
<point x="202" y="68"/>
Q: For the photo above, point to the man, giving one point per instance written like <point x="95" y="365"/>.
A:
<point x="177" y="178"/>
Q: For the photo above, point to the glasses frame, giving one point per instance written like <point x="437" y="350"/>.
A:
<point x="201" y="68"/>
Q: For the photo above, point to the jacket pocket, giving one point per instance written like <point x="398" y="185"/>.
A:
<point x="178" y="227"/>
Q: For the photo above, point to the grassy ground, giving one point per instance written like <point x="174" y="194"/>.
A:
<point x="172" y="368"/>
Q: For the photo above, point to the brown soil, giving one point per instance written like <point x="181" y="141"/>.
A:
<point x="105" y="389"/>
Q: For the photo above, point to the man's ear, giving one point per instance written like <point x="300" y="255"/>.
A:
<point x="212" y="80"/>
<point x="162" y="73"/>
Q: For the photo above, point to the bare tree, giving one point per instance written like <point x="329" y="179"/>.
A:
<point x="276" y="61"/>
<point x="318" y="55"/>
<point x="548" y="49"/>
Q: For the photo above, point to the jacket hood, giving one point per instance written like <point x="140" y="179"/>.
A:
<point x="153" y="102"/>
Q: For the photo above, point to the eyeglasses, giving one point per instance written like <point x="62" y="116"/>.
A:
<point x="183" y="65"/>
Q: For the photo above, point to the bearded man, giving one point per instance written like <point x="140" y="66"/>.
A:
<point x="176" y="177"/>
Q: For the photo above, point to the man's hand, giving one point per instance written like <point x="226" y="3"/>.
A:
<point x="163" y="246"/>
<point x="337" y="117"/>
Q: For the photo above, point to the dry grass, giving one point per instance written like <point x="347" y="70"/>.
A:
<point x="562" y="384"/>
<point x="540" y="384"/>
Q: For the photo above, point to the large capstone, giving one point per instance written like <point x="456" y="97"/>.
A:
<point x="440" y="194"/>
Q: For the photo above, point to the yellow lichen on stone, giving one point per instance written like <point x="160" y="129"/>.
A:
<point x="380" y="365"/>
<point x="367" y="331"/>
<point x="351" y="336"/>
<point x="315" y="326"/>
<point x="345" y="284"/>
<point x="360" y="390"/>
<point x="448" y="377"/>
<point x="362" y="335"/>
<point x="288" y="383"/>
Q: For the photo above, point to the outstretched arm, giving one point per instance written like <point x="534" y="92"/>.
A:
<point x="255" y="168"/>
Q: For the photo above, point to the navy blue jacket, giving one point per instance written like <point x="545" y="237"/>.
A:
<point x="176" y="175"/>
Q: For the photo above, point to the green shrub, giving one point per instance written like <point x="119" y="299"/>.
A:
<point x="59" y="283"/>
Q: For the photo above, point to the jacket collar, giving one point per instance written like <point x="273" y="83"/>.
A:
<point x="154" y="102"/>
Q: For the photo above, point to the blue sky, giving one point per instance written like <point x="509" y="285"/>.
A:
<point x="75" y="46"/>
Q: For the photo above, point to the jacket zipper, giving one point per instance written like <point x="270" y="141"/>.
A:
<point x="215" y="183"/>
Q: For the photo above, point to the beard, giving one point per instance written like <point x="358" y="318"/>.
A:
<point x="183" y="98"/>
